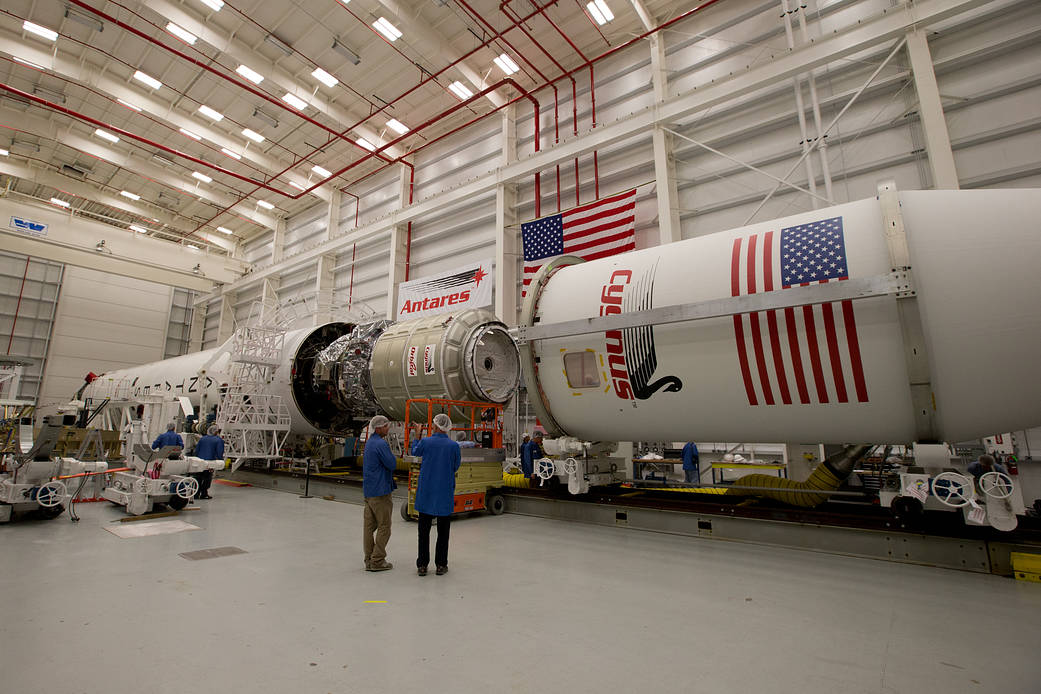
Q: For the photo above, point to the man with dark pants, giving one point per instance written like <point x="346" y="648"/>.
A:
<point x="435" y="494"/>
<point x="209" y="447"/>
<point x="378" y="465"/>
<point x="691" y="464"/>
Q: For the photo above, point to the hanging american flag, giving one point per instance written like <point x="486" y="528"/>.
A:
<point x="595" y="230"/>
<point x="799" y="353"/>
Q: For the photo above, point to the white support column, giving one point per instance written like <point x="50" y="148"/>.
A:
<point x="664" y="164"/>
<point x="323" y="289"/>
<point x="269" y="297"/>
<point x="278" y="241"/>
<point x="332" y="219"/>
<point x="397" y="269"/>
<point x="198" y="325"/>
<point x="507" y="231"/>
<point x="930" y="109"/>
<point x="226" y="324"/>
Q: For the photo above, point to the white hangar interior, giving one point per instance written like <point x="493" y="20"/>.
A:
<point x="198" y="176"/>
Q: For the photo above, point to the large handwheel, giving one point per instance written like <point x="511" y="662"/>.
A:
<point x="187" y="488"/>
<point x="996" y="485"/>
<point x="545" y="468"/>
<point x="51" y="494"/>
<point x="952" y="489"/>
<point x="570" y="466"/>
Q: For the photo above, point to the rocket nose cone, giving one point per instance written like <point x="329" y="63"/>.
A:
<point x="493" y="364"/>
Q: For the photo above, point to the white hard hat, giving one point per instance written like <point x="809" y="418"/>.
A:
<point x="443" y="422"/>
<point x="729" y="457"/>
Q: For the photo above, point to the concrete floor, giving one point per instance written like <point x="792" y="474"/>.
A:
<point x="529" y="605"/>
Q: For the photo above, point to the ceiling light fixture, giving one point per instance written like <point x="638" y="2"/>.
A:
<point x="294" y="101"/>
<point x="138" y="229"/>
<point x="189" y="133"/>
<point x="250" y="74"/>
<point x="366" y="144"/>
<point x="279" y="44"/>
<point x="231" y="154"/>
<point x="265" y="204"/>
<point x="202" y="177"/>
<point x="323" y="172"/>
<point x="255" y="136"/>
<point x="387" y="29"/>
<point x="147" y="79"/>
<point x="397" y="126"/>
<point x="60" y="203"/>
<point x="106" y="135"/>
<point x="215" y="5"/>
<point x="600" y="11"/>
<point x="23" y="61"/>
<point x="49" y="34"/>
<point x="324" y="77"/>
<point x="506" y="64"/>
<point x="85" y="20"/>
<point x="53" y="95"/>
<point x="128" y="194"/>
<point x="297" y="186"/>
<point x="216" y="116"/>
<point x="4" y="153"/>
<point x="129" y="105"/>
<point x="197" y="269"/>
<point x="269" y="119"/>
<point x="182" y="33"/>
<point x="346" y="52"/>
<point x="459" y="90"/>
<point x="159" y="159"/>
<point x="224" y="230"/>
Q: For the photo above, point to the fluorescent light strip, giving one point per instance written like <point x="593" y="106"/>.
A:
<point x="202" y="177"/>
<point x="182" y="33"/>
<point x="46" y="33"/>
<point x="138" y="229"/>
<point x="216" y="116"/>
<point x="129" y="105"/>
<point x="106" y="135"/>
<point x="250" y="74"/>
<point x="459" y="90"/>
<point x="297" y="185"/>
<point x="193" y="246"/>
<point x="128" y="194"/>
<point x="600" y="11"/>
<point x="265" y="204"/>
<point x="4" y="153"/>
<point x="230" y="153"/>
<point x="324" y="77"/>
<point x="190" y="134"/>
<point x="324" y="173"/>
<point x="294" y="101"/>
<point x="366" y="144"/>
<point x="145" y="78"/>
<point x="397" y="126"/>
<point x="215" y="5"/>
<point x="387" y="29"/>
<point x="224" y="230"/>
<point x="506" y="64"/>
<point x="255" y="136"/>
<point x="23" y="61"/>
<point x="60" y="203"/>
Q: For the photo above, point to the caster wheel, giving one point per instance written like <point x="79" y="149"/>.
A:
<point x="495" y="504"/>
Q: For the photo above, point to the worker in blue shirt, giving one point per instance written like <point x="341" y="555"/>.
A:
<point x="168" y="438"/>
<point x="378" y="465"/>
<point x="691" y="464"/>
<point x="986" y="463"/>
<point x="209" y="447"/>
<point x="435" y="494"/>
<point x="530" y="452"/>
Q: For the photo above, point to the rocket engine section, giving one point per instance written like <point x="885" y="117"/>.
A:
<point x="336" y="375"/>
<point x="911" y="317"/>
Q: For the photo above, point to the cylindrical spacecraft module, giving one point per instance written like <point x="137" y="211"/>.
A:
<point x="833" y="371"/>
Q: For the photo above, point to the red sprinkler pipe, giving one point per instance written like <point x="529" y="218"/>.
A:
<point x="17" y="307"/>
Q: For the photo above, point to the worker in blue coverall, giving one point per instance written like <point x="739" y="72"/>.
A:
<point x="209" y="447"/>
<point x="378" y="465"/>
<point x="530" y="452"/>
<point x="435" y="494"/>
<point x="691" y="464"/>
<point x="168" y="438"/>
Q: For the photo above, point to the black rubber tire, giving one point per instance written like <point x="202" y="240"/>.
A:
<point x="176" y="503"/>
<point x="909" y="512"/>
<point x="50" y="513"/>
<point x="404" y="511"/>
<point x="495" y="504"/>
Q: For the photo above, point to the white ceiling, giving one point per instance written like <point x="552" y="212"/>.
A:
<point x="87" y="71"/>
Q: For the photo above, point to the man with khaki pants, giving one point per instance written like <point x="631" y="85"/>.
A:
<point x="378" y="465"/>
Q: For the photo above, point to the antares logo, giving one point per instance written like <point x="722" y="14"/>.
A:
<point x="443" y="291"/>
<point x="631" y="356"/>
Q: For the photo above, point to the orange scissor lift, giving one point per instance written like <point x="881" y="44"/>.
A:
<point x="480" y="474"/>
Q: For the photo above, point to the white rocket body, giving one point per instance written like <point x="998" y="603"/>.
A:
<point x="974" y="257"/>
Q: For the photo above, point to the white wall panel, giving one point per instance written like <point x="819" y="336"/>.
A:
<point x="29" y="289"/>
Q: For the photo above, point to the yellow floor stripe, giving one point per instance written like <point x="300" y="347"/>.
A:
<point x="376" y="601"/>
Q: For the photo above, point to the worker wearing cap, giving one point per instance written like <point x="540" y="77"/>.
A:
<point x="691" y="464"/>
<point x="378" y="465"/>
<point x="435" y="493"/>
<point x="530" y="452"/>
<point x="209" y="447"/>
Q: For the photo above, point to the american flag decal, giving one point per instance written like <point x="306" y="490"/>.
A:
<point x="595" y="230"/>
<point x="804" y="352"/>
